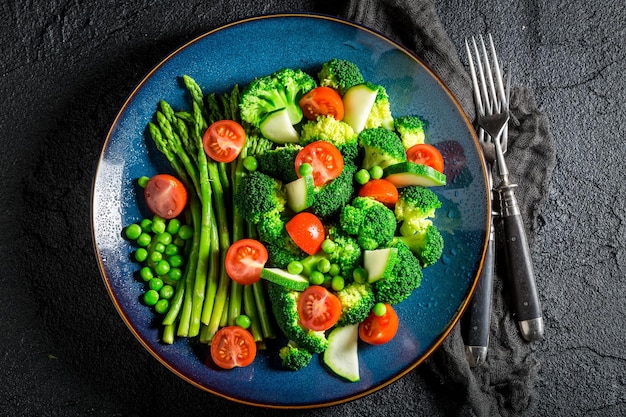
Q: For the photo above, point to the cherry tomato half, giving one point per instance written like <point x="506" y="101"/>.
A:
<point x="223" y="140"/>
<point x="325" y="159"/>
<point x="233" y="346"/>
<point x="165" y="196"/>
<point x="425" y="154"/>
<point x="322" y="101"/>
<point x="318" y="308"/>
<point x="307" y="231"/>
<point x="377" y="330"/>
<point x="244" y="261"/>
<point x="380" y="189"/>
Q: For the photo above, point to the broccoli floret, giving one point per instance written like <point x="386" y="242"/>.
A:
<point x="415" y="208"/>
<point x="380" y="114"/>
<point x="329" y="129"/>
<point x="373" y="223"/>
<point x="347" y="254"/>
<point x="381" y="147"/>
<point x="281" y="89"/>
<point x="260" y="200"/>
<point x="426" y="244"/>
<point x="331" y="197"/>
<point x="280" y="162"/>
<point x="357" y="300"/>
<point x="406" y="276"/>
<point x="294" y="357"/>
<point x="340" y="74"/>
<point x="282" y="250"/>
<point x="285" y="308"/>
<point x="411" y="130"/>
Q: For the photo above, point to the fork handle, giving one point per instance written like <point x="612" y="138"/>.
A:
<point x="520" y="268"/>
<point x="479" y="310"/>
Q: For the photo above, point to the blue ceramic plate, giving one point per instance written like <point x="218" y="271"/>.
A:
<point x="257" y="47"/>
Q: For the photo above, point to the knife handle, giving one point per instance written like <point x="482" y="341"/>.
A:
<point x="479" y="309"/>
<point x="520" y="268"/>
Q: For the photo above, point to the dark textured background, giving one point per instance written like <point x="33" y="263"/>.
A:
<point x="67" y="68"/>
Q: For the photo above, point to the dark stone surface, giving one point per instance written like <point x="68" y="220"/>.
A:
<point x="67" y="67"/>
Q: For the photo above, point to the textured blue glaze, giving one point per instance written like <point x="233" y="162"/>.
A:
<point x="256" y="47"/>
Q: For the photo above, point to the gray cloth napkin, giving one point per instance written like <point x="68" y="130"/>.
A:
<point x="505" y="385"/>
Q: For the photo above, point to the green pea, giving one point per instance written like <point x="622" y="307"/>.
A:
<point x="151" y="297"/>
<point x="143" y="181"/>
<point x="162" y="306"/>
<point x="376" y="172"/>
<point x="164" y="238"/>
<point x="173" y="226"/>
<point x="305" y="169"/>
<point x="175" y="274"/>
<point x="158" y="224"/>
<point x="185" y="232"/>
<point x="337" y="283"/>
<point x="250" y="163"/>
<point x="162" y="267"/>
<point x="141" y="254"/>
<point x="155" y="284"/>
<point x="243" y="321"/>
<point x="146" y="225"/>
<point x="171" y="249"/>
<point x="295" y="267"/>
<point x="133" y="231"/>
<point x="155" y="256"/>
<point x="144" y="239"/>
<point x="323" y="265"/>
<point x="159" y="247"/>
<point x="360" y="275"/>
<point x="146" y="273"/>
<point x="362" y="176"/>
<point x="316" y="278"/>
<point x="179" y="242"/>
<point x="379" y="309"/>
<point x="334" y="270"/>
<point x="176" y="260"/>
<point x="328" y="246"/>
<point x="166" y="292"/>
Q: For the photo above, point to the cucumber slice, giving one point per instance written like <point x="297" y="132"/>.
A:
<point x="357" y="103"/>
<point x="379" y="263"/>
<point x="300" y="193"/>
<point x="341" y="355"/>
<point x="277" y="127"/>
<point x="409" y="173"/>
<point x="279" y="276"/>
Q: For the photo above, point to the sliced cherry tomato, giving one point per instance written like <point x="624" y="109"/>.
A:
<point x="325" y="159"/>
<point x="244" y="261"/>
<point x="425" y="154"/>
<point x="381" y="189"/>
<point x="223" y="140"/>
<point x="322" y="101"/>
<point x="165" y="196"/>
<point x="377" y="330"/>
<point x="307" y="231"/>
<point x="233" y="346"/>
<point x="318" y="308"/>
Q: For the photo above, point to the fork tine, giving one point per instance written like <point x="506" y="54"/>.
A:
<point x="487" y="103"/>
<point x="477" y="99"/>
<point x="487" y="68"/>
<point x="497" y="71"/>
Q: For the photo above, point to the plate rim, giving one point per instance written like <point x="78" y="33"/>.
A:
<point x="436" y="343"/>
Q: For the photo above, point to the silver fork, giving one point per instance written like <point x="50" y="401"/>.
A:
<point x="492" y="104"/>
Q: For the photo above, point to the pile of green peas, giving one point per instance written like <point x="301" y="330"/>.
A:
<point x="161" y="254"/>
